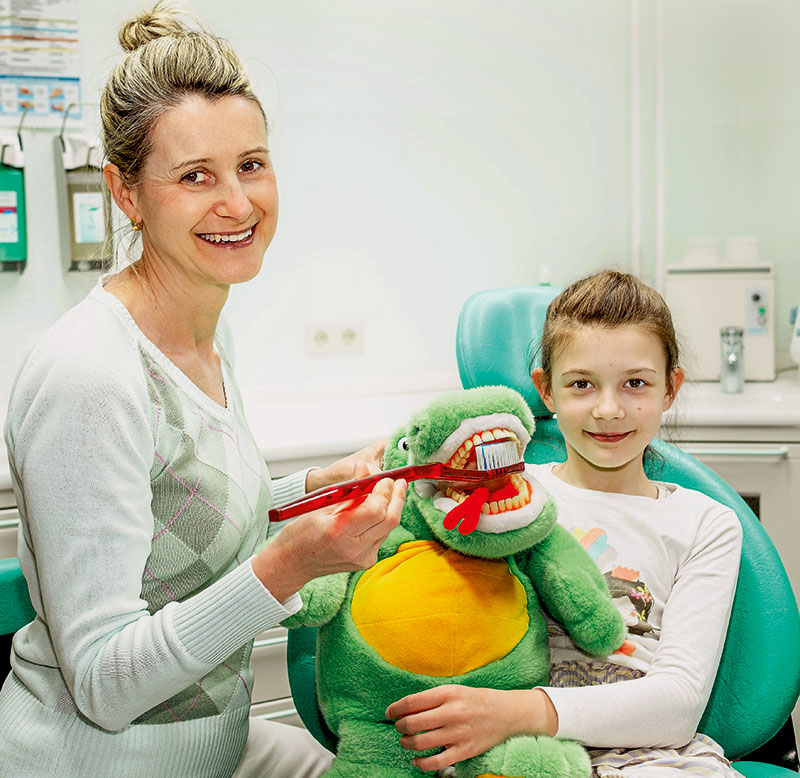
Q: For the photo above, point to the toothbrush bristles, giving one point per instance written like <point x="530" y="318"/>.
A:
<point x="496" y="454"/>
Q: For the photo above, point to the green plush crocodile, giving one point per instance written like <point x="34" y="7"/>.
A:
<point x="459" y="605"/>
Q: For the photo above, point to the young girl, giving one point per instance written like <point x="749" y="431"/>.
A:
<point x="670" y="556"/>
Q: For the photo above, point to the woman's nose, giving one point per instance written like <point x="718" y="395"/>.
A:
<point x="234" y="202"/>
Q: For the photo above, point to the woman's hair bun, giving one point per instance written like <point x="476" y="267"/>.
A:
<point x="161" y="21"/>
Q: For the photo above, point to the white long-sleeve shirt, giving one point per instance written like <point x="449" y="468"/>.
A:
<point x="671" y="564"/>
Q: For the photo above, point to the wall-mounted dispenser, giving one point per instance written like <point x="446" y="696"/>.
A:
<point x="13" y="228"/>
<point x="85" y="202"/>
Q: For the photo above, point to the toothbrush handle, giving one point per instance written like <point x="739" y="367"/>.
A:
<point x="349" y="490"/>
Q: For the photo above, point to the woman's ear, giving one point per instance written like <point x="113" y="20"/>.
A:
<point x="543" y="387"/>
<point x="674" y="383"/>
<point x="121" y="192"/>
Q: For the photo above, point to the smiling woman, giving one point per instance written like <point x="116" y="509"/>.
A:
<point x="144" y="506"/>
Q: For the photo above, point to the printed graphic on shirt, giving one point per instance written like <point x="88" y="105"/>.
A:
<point x="631" y="594"/>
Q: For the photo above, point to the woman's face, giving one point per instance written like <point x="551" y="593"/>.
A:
<point x="208" y="200"/>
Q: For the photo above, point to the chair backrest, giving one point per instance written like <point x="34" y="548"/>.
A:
<point x="758" y="680"/>
<point x="17" y="610"/>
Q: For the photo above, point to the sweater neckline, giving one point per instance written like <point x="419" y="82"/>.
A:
<point x="172" y="370"/>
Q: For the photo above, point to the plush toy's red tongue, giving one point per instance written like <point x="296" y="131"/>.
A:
<point x="467" y="512"/>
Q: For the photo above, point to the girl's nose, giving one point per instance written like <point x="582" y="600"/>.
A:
<point x="234" y="202"/>
<point x="608" y="406"/>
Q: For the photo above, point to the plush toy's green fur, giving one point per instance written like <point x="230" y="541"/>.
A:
<point x="355" y="684"/>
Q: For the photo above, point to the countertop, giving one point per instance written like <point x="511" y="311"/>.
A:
<point x="291" y="428"/>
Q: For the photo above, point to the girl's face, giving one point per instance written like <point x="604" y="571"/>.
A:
<point x="609" y="389"/>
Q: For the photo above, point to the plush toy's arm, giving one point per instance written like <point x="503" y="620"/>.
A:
<point x="394" y="540"/>
<point x="574" y="593"/>
<point x="322" y="598"/>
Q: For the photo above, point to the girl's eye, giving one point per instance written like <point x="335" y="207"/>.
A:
<point x="581" y="383"/>
<point x="636" y="383"/>
<point x="195" y="177"/>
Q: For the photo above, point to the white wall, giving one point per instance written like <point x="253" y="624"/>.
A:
<point x="424" y="150"/>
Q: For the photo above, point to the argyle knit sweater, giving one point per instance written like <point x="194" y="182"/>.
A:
<point x="141" y="502"/>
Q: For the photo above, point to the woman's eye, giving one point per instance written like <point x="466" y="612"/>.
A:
<point x="251" y="166"/>
<point x="402" y="444"/>
<point x="195" y="177"/>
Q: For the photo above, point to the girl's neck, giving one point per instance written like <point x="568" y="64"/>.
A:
<point x="629" y="479"/>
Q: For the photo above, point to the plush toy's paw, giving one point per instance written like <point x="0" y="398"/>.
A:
<point x="322" y="598"/>
<point x="529" y="757"/>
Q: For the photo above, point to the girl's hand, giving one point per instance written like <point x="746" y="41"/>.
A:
<point x="345" y="469"/>
<point x="339" y="538"/>
<point x="465" y="721"/>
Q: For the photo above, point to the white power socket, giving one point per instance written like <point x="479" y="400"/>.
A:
<point x="340" y="338"/>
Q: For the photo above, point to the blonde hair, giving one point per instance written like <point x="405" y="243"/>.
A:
<point x="166" y="62"/>
<point x="607" y="299"/>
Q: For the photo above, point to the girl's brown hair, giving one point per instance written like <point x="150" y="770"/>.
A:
<point x="607" y="299"/>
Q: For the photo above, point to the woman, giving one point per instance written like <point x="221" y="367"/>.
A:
<point x="143" y="497"/>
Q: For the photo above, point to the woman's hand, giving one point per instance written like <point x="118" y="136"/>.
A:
<point x="339" y="538"/>
<point x="345" y="469"/>
<point x="465" y="721"/>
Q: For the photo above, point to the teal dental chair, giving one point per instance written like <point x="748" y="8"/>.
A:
<point x="15" y="608"/>
<point x="758" y="681"/>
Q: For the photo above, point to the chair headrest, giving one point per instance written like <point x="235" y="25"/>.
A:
<point x="498" y="333"/>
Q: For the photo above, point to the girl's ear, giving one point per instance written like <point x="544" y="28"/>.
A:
<point x="543" y="387"/>
<point x="121" y="192"/>
<point x="674" y="383"/>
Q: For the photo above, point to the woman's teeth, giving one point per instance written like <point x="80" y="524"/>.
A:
<point x="215" y="237"/>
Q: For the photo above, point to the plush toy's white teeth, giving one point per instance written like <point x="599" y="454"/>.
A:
<point x="489" y="449"/>
<point x="522" y="498"/>
<point x="216" y="237"/>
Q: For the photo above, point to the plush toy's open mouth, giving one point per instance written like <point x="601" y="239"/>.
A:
<point x="495" y="447"/>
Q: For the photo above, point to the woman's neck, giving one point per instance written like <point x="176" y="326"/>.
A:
<point x="178" y="319"/>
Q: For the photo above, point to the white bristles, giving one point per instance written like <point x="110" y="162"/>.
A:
<point x="495" y="454"/>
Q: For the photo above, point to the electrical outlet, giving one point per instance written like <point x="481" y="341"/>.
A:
<point x="340" y="338"/>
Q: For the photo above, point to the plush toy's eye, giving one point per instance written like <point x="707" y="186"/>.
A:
<point x="402" y="444"/>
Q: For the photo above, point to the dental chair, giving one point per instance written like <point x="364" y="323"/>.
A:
<point x="758" y="681"/>
<point x="15" y="608"/>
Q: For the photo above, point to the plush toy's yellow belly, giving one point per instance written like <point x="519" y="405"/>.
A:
<point x="431" y="610"/>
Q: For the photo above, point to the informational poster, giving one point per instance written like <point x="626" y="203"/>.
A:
<point x="39" y="61"/>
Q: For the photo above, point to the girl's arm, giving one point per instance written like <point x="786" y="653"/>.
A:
<point x="664" y="708"/>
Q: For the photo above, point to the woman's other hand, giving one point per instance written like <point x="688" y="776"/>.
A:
<point x="339" y="538"/>
<point x="345" y="469"/>
<point x="465" y="721"/>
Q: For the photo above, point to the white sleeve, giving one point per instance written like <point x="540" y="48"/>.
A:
<point x="81" y="450"/>
<point x="663" y="709"/>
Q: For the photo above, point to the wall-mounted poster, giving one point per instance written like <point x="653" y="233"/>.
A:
<point x="39" y="61"/>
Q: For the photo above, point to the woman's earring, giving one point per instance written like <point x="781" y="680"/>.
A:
<point x="136" y="225"/>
